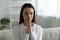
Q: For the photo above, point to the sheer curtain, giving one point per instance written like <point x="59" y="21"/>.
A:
<point x="49" y="8"/>
<point x="48" y="13"/>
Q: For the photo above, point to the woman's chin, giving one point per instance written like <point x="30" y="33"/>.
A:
<point x="28" y="20"/>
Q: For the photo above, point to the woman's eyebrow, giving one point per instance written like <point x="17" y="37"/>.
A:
<point x="26" y="12"/>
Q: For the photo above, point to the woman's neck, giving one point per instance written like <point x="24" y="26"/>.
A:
<point x="28" y="23"/>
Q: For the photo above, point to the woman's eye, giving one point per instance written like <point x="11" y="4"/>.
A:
<point x="26" y="13"/>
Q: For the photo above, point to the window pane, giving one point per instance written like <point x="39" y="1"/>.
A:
<point x="52" y="5"/>
<point x="59" y="6"/>
<point x="49" y="8"/>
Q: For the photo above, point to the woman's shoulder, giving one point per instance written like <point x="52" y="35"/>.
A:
<point x="17" y="26"/>
<point x="38" y="26"/>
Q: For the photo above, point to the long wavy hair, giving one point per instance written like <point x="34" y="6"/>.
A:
<point x="21" y="19"/>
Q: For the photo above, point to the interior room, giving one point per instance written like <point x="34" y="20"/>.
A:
<point x="47" y="16"/>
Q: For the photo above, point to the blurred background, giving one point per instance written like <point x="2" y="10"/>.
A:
<point x="4" y="14"/>
<point x="47" y="11"/>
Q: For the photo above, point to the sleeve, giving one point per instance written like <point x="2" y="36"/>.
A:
<point x="40" y="32"/>
<point x="19" y="33"/>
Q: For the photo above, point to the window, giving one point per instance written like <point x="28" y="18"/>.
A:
<point x="49" y="8"/>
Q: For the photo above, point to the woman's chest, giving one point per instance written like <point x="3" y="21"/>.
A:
<point x="34" y="32"/>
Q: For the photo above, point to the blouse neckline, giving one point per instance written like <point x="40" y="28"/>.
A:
<point x="26" y="26"/>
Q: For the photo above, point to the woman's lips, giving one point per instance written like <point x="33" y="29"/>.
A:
<point x="28" y="19"/>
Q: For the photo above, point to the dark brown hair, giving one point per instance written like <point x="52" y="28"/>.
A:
<point x="21" y="20"/>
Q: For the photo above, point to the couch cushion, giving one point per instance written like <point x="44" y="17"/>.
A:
<point x="51" y="33"/>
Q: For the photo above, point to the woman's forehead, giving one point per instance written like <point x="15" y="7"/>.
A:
<point x="28" y="9"/>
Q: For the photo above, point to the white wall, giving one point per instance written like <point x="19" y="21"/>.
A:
<point x="4" y="8"/>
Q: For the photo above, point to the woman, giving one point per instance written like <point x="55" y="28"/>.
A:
<point x="27" y="29"/>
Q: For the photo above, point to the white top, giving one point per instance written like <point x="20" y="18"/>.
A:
<point x="20" y="32"/>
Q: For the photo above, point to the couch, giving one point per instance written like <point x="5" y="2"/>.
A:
<point x="48" y="34"/>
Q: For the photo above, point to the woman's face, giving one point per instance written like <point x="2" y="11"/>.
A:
<point x="28" y="14"/>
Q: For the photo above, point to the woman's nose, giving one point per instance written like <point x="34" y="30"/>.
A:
<point x="29" y="15"/>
